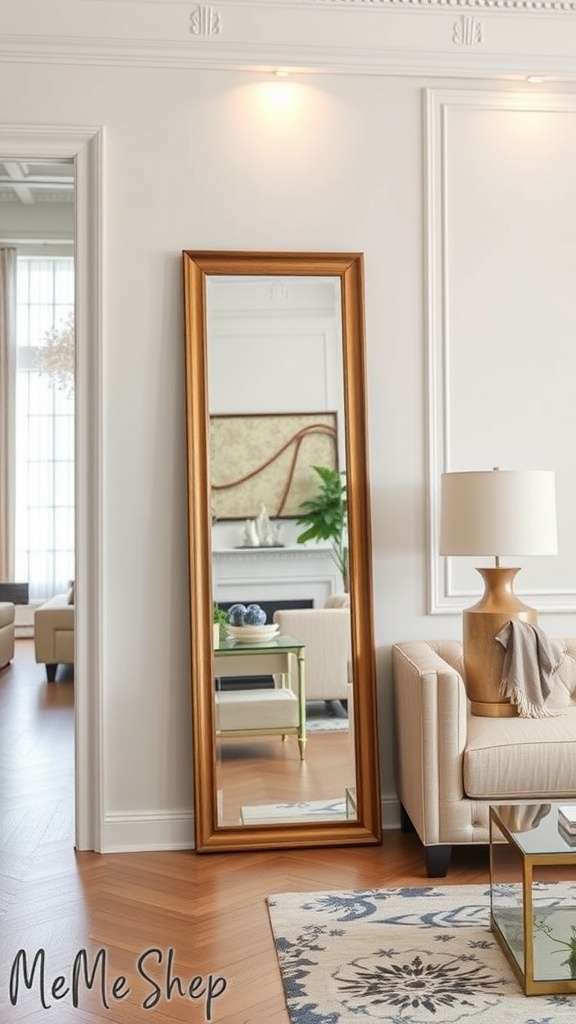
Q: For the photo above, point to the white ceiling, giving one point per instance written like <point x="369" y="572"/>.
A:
<point x="31" y="183"/>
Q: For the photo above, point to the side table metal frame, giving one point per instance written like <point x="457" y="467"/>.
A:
<point x="529" y="861"/>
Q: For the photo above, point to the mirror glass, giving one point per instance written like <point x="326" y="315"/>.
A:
<point x="284" y="713"/>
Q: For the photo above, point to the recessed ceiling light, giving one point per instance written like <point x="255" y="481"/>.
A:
<point x="535" y="79"/>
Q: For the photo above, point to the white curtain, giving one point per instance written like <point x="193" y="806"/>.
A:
<point x="7" y="409"/>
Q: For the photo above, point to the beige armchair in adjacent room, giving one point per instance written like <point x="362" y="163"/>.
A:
<point x="6" y="632"/>
<point x="54" y="634"/>
<point x="326" y="635"/>
<point x="451" y="764"/>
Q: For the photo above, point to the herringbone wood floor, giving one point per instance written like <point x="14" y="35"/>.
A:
<point x="209" y="909"/>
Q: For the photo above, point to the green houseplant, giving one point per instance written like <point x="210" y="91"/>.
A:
<point x="325" y="517"/>
<point x="219" y="618"/>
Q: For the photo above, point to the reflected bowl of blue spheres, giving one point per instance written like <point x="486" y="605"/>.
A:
<point x="247" y="624"/>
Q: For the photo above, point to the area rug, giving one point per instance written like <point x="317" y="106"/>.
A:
<point x="406" y="956"/>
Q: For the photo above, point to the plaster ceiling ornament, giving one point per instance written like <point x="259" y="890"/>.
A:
<point x="205" y="21"/>
<point x="468" y="31"/>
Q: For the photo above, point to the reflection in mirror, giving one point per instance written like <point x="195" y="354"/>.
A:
<point x="285" y="748"/>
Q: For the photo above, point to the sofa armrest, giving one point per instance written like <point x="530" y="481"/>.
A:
<point x="54" y="631"/>
<point x="431" y="709"/>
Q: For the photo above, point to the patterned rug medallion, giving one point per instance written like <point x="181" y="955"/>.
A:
<point x="407" y="956"/>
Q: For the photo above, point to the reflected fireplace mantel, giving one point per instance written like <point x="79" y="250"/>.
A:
<point x="275" y="573"/>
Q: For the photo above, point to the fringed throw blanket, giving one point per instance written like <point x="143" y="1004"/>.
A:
<point x="530" y="661"/>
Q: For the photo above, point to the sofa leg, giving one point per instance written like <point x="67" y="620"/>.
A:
<point x="437" y="860"/>
<point x="51" y="672"/>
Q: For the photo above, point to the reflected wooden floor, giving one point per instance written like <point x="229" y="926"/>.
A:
<point x="209" y="909"/>
<point x="268" y="770"/>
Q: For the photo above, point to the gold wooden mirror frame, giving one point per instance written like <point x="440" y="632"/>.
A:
<point x="366" y="827"/>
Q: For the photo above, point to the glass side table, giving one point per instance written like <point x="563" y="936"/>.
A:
<point x="232" y="658"/>
<point x="532" y="921"/>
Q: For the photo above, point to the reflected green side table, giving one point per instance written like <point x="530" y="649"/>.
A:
<point x="232" y="658"/>
<point x="532" y="924"/>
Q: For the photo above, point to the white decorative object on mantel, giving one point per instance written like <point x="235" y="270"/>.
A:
<point x="468" y="31"/>
<point x="266" y="530"/>
<point x="260" y="532"/>
<point x="205" y="21"/>
<point x="249" y="535"/>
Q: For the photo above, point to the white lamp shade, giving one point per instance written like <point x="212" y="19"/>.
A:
<point x="498" y="512"/>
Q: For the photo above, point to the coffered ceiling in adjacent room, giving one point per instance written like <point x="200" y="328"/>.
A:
<point x="31" y="183"/>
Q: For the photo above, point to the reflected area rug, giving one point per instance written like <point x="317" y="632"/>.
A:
<point x="408" y="956"/>
<point x="300" y="810"/>
<point x="326" y="716"/>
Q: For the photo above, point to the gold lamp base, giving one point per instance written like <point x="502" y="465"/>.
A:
<point x="483" y="655"/>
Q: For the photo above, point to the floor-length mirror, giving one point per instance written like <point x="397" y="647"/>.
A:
<point x="283" y="686"/>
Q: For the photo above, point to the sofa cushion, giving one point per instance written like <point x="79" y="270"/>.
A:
<point x="520" y="758"/>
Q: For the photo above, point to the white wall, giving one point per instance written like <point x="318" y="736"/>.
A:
<point x="232" y="160"/>
<point x="53" y="221"/>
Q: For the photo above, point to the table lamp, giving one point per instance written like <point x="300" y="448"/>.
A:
<point x="495" y="512"/>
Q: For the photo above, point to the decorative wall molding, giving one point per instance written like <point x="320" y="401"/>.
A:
<point x="536" y="6"/>
<point x="444" y="595"/>
<point x="393" y="37"/>
<point x="9" y="196"/>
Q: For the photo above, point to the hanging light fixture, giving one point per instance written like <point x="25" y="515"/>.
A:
<point x="55" y="357"/>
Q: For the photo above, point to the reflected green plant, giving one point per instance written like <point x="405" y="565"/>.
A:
<point x="570" y="944"/>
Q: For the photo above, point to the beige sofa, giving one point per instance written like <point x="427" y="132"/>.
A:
<point x="6" y="632"/>
<point x="451" y="765"/>
<point x="54" y="634"/>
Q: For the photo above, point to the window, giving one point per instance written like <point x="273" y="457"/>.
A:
<point x="44" y="430"/>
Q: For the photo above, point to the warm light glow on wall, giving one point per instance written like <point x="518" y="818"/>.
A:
<point x="281" y="118"/>
<point x="287" y="130"/>
<point x="279" y="94"/>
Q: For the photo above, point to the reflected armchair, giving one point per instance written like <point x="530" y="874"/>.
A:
<point x="326" y="634"/>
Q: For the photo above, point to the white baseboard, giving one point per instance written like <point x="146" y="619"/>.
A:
<point x="174" y="830"/>
<point x="147" y="831"/>
<point x="24" y="619"/>
<point x="23" y="630"/>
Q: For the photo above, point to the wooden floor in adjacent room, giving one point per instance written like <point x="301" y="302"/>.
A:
<point x="209" y="909"/>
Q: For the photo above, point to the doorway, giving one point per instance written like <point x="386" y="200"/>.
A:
<point x="83" y="148"/>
